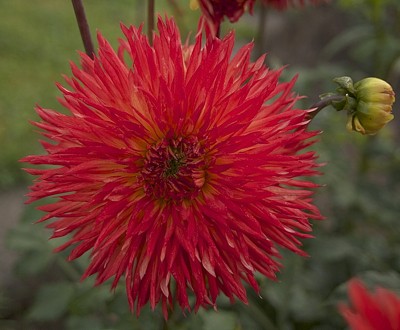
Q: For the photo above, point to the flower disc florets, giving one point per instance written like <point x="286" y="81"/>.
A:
<point x="178" y="168"/>
<point x="174" y="169"/>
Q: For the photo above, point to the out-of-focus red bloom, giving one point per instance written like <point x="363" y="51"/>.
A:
<point x="215" y="11"/>
<point x="371" y="311"/>
<point x="180" y="166"/>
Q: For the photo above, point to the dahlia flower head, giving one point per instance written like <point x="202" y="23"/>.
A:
<point x="177" y="168"/>
<point x="376" y="310"/>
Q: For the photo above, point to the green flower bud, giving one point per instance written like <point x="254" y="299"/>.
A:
<point x="373" y="109"/>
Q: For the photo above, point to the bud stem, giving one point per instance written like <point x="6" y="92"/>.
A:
<point x="83" y="27"/>
<point x="326" y="101"/>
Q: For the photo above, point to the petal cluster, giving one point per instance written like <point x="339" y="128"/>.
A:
<point x="180" y="168"/>
<point x="371" y="311"/>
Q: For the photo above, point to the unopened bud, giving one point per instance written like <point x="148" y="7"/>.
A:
<point x="371" y="105"/>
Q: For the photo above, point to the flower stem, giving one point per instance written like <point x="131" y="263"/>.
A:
<point x="326" y="101"/>
<point x="218" y="32"/>
<point x="150" y="20"/>
<point x="260" y="37"/>
<point x="165" y="325"/>
<point x="83" y="27"/>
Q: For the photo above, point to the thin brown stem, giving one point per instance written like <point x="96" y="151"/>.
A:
<point x="260" y="37"/>
<point x="150" y="20"/>
<point x="218" y="33"/>
<point x="165" y="325"/>
<point x="83" y="27"/>
<point x="326" y="101"/>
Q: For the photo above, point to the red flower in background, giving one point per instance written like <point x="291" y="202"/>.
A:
<point x="371" y="311"/>
<point x="215" y="11"/>
<point x="181" y="165"/>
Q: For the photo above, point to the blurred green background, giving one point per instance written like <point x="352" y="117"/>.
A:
<point x="360" y="197"/>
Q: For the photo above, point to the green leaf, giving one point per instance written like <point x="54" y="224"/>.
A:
<point x="25" y="238"/>
<point x="389" y="280"/>
<point x="51" y="302"/>
<point x="33" y="263"/>
<point x="33" y="245"/>
<point x="93" y="299"/>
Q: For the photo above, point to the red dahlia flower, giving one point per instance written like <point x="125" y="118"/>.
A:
<point x="179" y="166"/>
<point x="371" y="311"/>
<point x="215" y="11"/>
